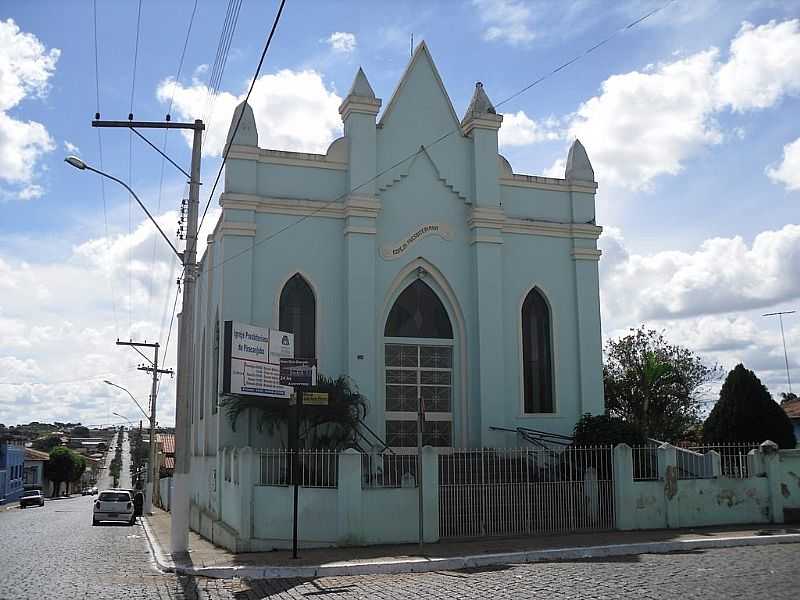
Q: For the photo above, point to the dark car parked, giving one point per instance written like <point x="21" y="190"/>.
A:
<point x="31" y="498"/>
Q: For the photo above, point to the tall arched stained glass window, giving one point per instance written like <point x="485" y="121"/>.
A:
<point x="537" y="354"/>
<point x="298" y="315"/>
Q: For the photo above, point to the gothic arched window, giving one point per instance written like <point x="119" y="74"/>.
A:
<point x="298" y="315"/>
<point x="537" y="354"/>
<point x="418" y="313"/>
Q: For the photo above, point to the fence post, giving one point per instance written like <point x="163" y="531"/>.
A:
<point x="668" y="473"/>
<point x="771" y="460"/>
<point x="248" y="468"/>
<point x="755" y="464"/>
<point x="714" y="463"/>
<point x="430" y="498"/>
<point x="349" y="499"/>
<point x="623" y="481"/>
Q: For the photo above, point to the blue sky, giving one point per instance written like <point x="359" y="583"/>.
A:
<point x="688" y="119"/>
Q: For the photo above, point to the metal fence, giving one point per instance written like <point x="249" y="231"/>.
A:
<point x="525" y="491"/>
<point x="695" y="462"/>
<point x="386" y="470"/>
<point x="645" y="463"/>
<point x="314" y="468"/>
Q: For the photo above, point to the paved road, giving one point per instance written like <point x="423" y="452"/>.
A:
<point x="54" y="553"/>
<point x="765" y="572"/>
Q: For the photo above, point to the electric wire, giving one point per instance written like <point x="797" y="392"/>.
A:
<point x="100" y="156"/>
<point x="422" y="148"/>
<point x="241" y="114"/>
<point x="130" y="167"/>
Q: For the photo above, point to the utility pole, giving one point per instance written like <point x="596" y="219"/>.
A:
<point x="153" y="474"/>
<point x="179" y="503"/>
<point x="785" y="355"/>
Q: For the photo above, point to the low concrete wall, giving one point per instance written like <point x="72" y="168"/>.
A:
<point x="671" y="502"/>
<point x="165" y="492"/>
<point x="316" y="510"/>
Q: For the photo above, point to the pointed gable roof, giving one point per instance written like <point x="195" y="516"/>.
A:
<point x="421" y="59"/>
<point x="361" y="86"/>
<point x="480" y="103"/>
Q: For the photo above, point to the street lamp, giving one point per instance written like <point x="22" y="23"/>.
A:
<point x="79" y="164"/>
<point x="785" y="355"/>
<point x="153" y="472"/>
<point x="123" y="417"/>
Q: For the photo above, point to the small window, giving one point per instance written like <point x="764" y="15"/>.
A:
<point x="537" y="354"/>
<point x="298" y="315"/>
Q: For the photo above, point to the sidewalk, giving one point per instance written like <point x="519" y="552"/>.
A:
<point x="208" y="560"/>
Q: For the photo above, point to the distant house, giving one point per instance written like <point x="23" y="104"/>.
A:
<point x="12" y="465"/>
<point x="33" y="472"/>
<point x="792" y="410"/>
<point x="166" y="453"/>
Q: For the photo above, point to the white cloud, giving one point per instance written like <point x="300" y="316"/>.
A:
<point x="342" y="42"/>
<point x="519" y="130"/>
<point x="764" y="65"/>
<point x="648" y="123"/>
<point x="721" y="275"/>
<point x="506" y="20"/>
<point x="294" y="110"/>
<point x="31" y="191"/>
<point x="788" y="171"/>
<point x="25" y="69"/>
<point x="59" y="322"/>
<point x="71" y="148"/>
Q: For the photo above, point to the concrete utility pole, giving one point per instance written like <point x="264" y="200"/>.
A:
<point x="152" y="477"/>
<point x="179" y="503"/>
<point x="785" y="355"/>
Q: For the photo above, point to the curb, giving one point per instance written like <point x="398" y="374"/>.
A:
<point x="423" y="565"/>
<point x="162" y="559"/>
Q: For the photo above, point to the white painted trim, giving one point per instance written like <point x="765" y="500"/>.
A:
<point x="359" y="105"/>
<point x="554" y="349"/>
<point x="488" y="121"/>
<point x="318" y="312"/>
<point x="547" y="183"/>
<point x="360" y="229"/>
<point x="480" y="238"/>
<point x="236" y="228"/>
<point x="489" y="218"/>
<point x="450" y="301"/>
<point x="283" y="206"/>
<point x="284" y="158"/>
<point x="546" y="228"/>
<point x="362" y="206"/>
<point x="586" y="254"/>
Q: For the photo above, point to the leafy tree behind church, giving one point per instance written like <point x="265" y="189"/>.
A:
<point x="655" y="385"/>
<point x="746" y="412"/>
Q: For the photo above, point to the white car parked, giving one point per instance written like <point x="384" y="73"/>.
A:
<point x="114" y="505"/>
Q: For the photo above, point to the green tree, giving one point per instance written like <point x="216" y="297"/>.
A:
<point x="331" y="427"/>
<point x="746" y="412"/>
<point x="605" y="430"/>
<point x="80" y="431"/>
<point x="60" y="467"/>
<point x="78" y="468"/>
<point x="655" y="385"/>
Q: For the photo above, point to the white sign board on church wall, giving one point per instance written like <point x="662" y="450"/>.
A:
<point x="392" y="251"/>
<point x="252" y="357"/>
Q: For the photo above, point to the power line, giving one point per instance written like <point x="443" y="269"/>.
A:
<point x="241" y="114"/>
<point x="411" y="156"/>
<point x="130" y="166"/>
<point x="220" y="60"/>
<point x="59" y="382"/>
<point x="100" y="151"/>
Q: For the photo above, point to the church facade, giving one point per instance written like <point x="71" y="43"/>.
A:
<point x="411" y="258"/>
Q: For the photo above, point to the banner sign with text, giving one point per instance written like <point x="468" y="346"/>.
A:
<point x="298" y="371"/>
<point x="252" y="357"/>
<point x="392" y="251"/>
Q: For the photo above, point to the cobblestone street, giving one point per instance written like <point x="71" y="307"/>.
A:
<point x="54" y="552"/>
<point x="754" y="572"/>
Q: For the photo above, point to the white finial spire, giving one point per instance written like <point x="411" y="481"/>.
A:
<point x="578" y="166"/>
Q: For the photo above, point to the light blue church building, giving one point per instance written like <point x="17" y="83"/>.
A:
<point x="413" y="259"/>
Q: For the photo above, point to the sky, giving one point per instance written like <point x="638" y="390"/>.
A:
<point x="689" y="119"/>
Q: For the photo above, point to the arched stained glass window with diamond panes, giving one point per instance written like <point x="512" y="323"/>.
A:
<point x="418" y="364"/>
